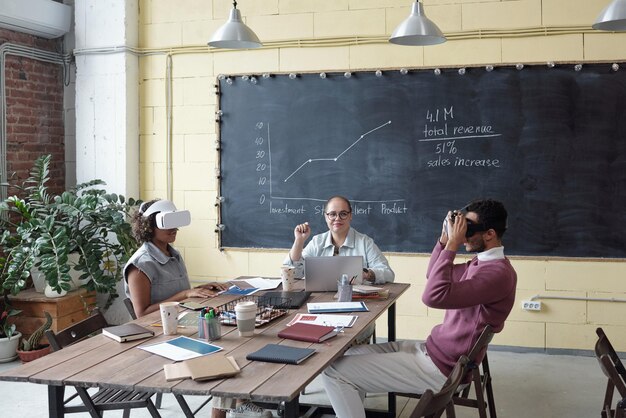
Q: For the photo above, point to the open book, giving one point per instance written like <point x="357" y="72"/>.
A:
<point x="210" y="367"/>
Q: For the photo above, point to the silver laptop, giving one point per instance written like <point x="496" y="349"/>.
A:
<point x="323" y="273"/>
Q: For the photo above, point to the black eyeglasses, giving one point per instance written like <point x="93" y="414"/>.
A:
<point x="342" y="215"/>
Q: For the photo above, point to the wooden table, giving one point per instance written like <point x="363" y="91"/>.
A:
<point x="101" y="361"/>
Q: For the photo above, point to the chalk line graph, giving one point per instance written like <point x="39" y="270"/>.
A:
<point x="334" y="159"/>
<point x="313" y="199"/>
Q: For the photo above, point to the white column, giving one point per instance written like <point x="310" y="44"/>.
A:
<point x="107" y="104"/>
<point x="107" y="94"/>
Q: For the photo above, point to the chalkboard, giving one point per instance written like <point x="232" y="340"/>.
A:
<point x="407" y="147"/>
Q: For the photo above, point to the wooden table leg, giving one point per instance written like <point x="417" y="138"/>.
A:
<point x="55" y="401"/>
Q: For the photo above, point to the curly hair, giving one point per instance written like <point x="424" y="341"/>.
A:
<point x="491" y="213"/>
<point x="143" y="228"/>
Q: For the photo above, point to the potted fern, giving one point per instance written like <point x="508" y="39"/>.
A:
<point x="42" y="231"/>
<point x="31" y="347"/>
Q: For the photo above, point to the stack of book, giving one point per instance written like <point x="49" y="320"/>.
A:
<point x="361" y="291"/>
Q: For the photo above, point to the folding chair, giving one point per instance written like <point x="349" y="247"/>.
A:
<point x="159" y="396"/>
<point x="432" y="405"/>
<point x="104" y="399"/>
<point x="480" y="378"/>
<point x="131" y="311"/>
<point x="614" y="370"/>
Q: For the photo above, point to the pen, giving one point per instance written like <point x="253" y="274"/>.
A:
<point x="352" y="279"/>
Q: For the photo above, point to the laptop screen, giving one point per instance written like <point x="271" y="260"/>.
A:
<point x="322" y="273"/>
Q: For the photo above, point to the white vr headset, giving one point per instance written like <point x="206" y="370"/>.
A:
<point x="167" y="217"/>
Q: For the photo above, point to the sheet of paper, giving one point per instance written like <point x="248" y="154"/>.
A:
<point x="181" y="348"/>
<point x="345" y="321"/>
<point x="258" y="283"/>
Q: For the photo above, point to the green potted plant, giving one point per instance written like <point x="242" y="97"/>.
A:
<point x="42" y="231"/>
<point x="9" y="337"/>
<point x="32" y="348"/>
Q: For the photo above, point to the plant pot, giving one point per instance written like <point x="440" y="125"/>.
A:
<point x="31" y="355"/>
<point x="51" y="293"/>
<point x="8" y="347"/>
<point x="39" y="280"/>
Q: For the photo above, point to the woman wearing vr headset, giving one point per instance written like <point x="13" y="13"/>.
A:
<point x="156" y="271"/>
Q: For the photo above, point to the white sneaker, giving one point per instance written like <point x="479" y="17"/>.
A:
<point x="248" y="410"/>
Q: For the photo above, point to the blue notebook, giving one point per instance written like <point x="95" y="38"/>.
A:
<point x="328" y="307"/>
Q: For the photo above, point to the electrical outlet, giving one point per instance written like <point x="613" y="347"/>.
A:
<point x="531" y="305"/>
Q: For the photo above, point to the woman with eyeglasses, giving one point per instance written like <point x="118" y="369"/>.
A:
<point x="340" y="239"/>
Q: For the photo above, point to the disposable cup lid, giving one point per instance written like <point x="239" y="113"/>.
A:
<point x="246" y="305"/>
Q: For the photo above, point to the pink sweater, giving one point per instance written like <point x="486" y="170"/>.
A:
<point x="474" y="294"/>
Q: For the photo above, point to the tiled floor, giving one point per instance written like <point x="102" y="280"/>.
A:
<point x="525" y="385"/>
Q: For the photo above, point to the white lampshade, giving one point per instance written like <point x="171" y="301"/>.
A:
<point x="417" y="29"/>
<point x="613" y="17"/>
<point x="234" y="34"/>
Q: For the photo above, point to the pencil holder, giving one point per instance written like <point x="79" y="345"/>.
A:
<point x="344" y="292"/>
<point x="203" y="331"/>
<point x="215" y="329"/>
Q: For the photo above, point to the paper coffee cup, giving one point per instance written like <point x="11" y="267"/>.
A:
<point x="169" y="317"/>
<point x="245" y="313"/>
<point x="288" y="278"/>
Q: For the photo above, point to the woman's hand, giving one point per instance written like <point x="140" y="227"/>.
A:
<point x="302" y="232"/>
<point x="215" y="286"/>
<point x="200" y="292"/>
<point x="369" y="276"/>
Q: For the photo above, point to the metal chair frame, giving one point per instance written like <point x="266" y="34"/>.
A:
<point x="105" y="399"/>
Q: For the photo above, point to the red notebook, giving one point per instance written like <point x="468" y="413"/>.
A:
<point x="308" y="332"/>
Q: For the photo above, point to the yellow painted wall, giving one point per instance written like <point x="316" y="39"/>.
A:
<point x="480" y="32"/>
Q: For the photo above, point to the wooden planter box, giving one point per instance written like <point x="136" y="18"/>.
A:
<point x="65" y="310"/>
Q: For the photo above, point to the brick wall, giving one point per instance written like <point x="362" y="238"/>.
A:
<point x="34" y="100"/>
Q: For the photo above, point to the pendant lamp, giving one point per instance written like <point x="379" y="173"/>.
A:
<point x="234" y="34"/>
<point x="613" y="17"/>
<point x="417" y="29"/>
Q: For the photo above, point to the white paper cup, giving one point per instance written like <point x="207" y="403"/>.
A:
<point x="169" y="317"/>
<point x="288" y="278"/>
<point x="246" y="317"/>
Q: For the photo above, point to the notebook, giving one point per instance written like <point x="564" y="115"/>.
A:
<point x="127" y="332"/>
<point x="308" y="332"/>
<point x="323" y="273"/>
<point x="296" y="299"/>
<point x="329" y="307"/>
<point x="210" y="367"/>
<point x="274" y="353"/>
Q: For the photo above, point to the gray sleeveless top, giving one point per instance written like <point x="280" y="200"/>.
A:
<point x="167" y="275"/>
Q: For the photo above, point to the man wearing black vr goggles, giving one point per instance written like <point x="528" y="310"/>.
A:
<point x="474" y="294"/>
